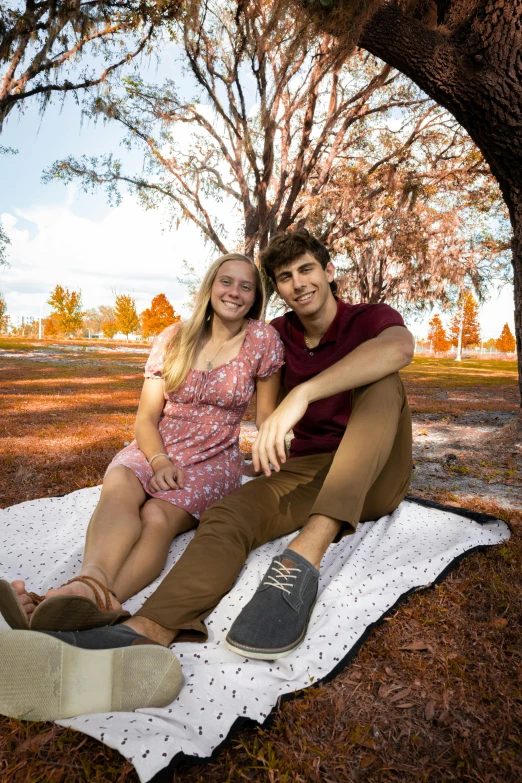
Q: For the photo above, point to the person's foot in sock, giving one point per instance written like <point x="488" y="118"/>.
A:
<point x="274" y="622"/>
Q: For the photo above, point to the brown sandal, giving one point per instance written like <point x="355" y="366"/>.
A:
<point x="77" y="612"/>
<point x="12" y="608"/>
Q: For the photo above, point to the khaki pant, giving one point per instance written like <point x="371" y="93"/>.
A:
<point x="366" y="478"/>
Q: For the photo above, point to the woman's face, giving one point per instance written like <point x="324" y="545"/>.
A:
<point x="233" y="290"/>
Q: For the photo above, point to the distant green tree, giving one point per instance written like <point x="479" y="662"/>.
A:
<point x="126" y="317"/>
<point x="67" y="306"/>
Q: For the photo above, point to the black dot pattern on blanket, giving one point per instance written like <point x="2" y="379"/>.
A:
<point x="362" y="577"/>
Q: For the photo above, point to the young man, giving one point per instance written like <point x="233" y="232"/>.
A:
<point x="350" y="460"/>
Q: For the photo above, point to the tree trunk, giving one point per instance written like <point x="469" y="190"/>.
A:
<point x="475" y="72"/>
<point x="516" y="247"/>
<point x="458" y="357"/>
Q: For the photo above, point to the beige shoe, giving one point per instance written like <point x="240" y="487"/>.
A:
<point x="43" y="678"/>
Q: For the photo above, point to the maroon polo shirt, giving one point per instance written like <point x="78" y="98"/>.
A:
<point x="323" y="425"/>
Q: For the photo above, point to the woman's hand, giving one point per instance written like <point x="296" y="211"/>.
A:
<point x="167" y="475"/>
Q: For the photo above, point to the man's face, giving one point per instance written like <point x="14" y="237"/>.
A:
<point x="304" y="285"/>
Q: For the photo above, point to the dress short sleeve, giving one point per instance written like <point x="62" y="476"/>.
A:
<point x="154" y="365"/>
<point x="269" y="352"/>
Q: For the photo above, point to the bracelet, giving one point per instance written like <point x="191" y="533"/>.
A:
<point x="159" y="454"/>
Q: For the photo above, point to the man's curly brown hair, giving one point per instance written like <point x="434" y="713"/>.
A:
<point x="285" y="248"/>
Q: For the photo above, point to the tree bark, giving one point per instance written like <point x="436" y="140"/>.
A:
<point x="475" y="71"/>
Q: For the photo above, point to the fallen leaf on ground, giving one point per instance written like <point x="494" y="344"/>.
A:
<point x="499" y="622"/>
<point x="405" y="705"/>
<point x="31" y="743"/>
<point x="400" y="695"/>
<point x="429" y="710"/>
<point x="417" y="646"/>
<point x="367" y="760"/>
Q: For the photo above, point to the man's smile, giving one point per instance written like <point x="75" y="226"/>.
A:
<point x="303" y="298"/>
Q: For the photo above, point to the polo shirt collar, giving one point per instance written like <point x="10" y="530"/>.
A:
<point x="331" y="334"/>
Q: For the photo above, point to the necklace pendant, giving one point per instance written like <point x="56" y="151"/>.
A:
<point x="209" y="366"/>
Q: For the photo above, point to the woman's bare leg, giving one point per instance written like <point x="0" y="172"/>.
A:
<point x="161" y="522"/>
<point x="114" y="529"/>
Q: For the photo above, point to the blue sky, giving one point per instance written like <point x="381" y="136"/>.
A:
<point x="60" y="235"/>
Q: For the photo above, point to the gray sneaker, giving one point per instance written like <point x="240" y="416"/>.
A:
<point x="274" y="621"/>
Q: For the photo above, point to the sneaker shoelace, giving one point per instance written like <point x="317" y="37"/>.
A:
<point x="282" y="577"/>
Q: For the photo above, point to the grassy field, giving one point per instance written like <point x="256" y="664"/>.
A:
<point x="68" y="409"/>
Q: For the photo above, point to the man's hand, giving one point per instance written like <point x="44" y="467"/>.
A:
<point x="166" y="476"/>
<point x="269" y="446"/>
<point x="249" y="470"/>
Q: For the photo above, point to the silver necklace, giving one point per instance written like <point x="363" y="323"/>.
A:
<point x="210" y="366"/>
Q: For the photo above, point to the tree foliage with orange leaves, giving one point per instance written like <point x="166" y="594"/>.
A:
<point x="353" y="151"/>
<point x="437" y="335"/>
<point x="125" y="316"/>
<point x="158" y="316"/>
<point x="506" y="342"/>
<point x="67" y="309"/>
<point x="467" y="311"/>
<point x="4" y="318"/>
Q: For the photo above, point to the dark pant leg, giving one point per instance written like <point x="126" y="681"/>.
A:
<point x="371" y="469"/>
<point x="260" y="511"/>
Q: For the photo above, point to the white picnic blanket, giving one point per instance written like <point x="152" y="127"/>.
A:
<point x="362" y="577"/>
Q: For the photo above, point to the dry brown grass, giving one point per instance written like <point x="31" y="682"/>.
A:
<point x="450" y="710"/>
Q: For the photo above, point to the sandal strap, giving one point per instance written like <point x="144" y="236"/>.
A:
<point x="105" y="590"/>
<point x="35" y="598"/>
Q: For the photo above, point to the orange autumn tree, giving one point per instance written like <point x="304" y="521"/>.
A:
<point x="159" y="315"/>
<point x="468" y="312"/>
<point x="437" y="335"/>
<point x="4" y="318"/>
<point x="506" y="341"/>
<point x="126" y="317"/>
<point x="67" y="310"/>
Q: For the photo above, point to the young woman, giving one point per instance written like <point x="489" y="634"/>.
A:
<point x="199" y="379"/>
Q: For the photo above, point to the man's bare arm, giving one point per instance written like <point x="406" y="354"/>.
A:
<point x="387" y="353"/>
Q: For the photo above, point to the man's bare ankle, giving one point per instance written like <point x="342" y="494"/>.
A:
<point x="315" y="538"/>
<point x="150" y="629"/>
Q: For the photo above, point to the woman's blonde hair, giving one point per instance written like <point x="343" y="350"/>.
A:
<point x="181" y="350"/>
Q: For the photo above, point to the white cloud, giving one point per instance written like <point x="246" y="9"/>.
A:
<point x="129" y="251"/>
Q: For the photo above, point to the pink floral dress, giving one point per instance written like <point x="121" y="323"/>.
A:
<point x="201" y="419"/>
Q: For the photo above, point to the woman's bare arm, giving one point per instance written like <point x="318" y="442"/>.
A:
<point x="267" y="396"/>
<point x="167" y="475"/>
